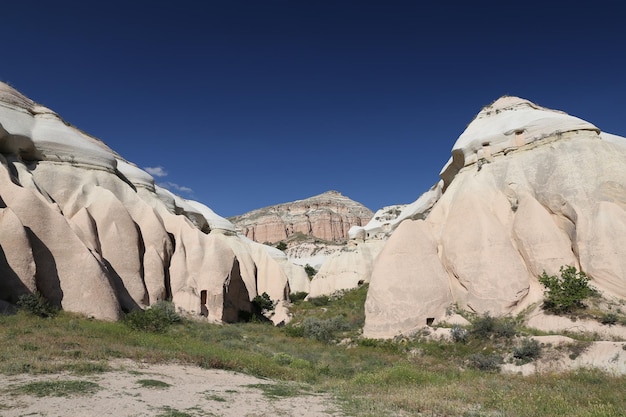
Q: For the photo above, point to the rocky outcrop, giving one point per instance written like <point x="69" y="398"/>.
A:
<point x="527" y="189"/>
<point x="328" y="216"/>
<point x="94" y="235"/>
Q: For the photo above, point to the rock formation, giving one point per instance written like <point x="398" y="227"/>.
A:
<point x="94" y="235"/>
<point x="328" y="216"/>
<point x="527" y="189"/>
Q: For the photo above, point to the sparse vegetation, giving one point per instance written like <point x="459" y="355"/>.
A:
<point x="35" y="303"/>
<point x="153" y="383"/>
<point x="278" y="390"/>
<point x="172" y="412"/>
<point x="58" y="388"/>
<point x="609" y="319"/>
<point x="527" y="351"/>
<point x="565" y="293"/>
<point x="297" y="296"/>
<point x="319" y="301"/>
<point x="485" y="362"/>
<point x="408" y="376"/>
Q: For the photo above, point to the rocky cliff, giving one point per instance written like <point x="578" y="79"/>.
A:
<point x="527" y="190"/>
<point x="328" y="216"/>
<point x="93" y="234"/>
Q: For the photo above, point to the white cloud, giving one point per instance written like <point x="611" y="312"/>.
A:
<point x="176" y="188"/>
<point x="156" y="171"/>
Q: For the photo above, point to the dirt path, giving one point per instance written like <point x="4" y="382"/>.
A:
<point x="138" y="390"/>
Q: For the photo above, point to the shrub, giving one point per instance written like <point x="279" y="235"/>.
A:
<point x="310" y="271"/>
<point x="459" y="334"/>
<point x="484" y="362"/>
<point x="565" y="293"/>
<point x="527" y="351"/>
<point x="608" y="319"/>
<point x="281" y="246"/>
<point x="36" y="304"/>
<point x="487" y="326"/>
<point x="156" y="318"/>
<point x="263" y="302"/>
<point x="323" y="330"/>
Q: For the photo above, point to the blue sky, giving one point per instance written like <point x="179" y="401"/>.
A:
<point x="245" y="104"/>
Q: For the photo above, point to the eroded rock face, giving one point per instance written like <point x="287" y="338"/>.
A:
<point x="95" y="235"/>
<point x="328" y="216"/>
<point x="510" y="209"/>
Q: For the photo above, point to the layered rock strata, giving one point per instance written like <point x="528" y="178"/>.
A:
<point x="328" y="216"/>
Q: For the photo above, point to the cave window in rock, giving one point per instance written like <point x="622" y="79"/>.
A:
<point x="486" y="150"/>
<point x="519" y="137"/>
<point x="430" y="321"/>
<point x="204" y="311"/>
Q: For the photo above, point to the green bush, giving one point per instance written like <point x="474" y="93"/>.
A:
<point x="310" y="271"/>
<point x="281" y="246"/>
<point x="528" y="351"/>
<point x="324" y="330"/>
<point x="156" y="318"/>
<point x="565" y="293"/>
<point x="263" y="302"/>
<point x="487" y="326"/>
<point x="35" y="303"/>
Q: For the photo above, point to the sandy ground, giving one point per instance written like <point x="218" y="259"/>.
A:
<point x="192" y="391"/>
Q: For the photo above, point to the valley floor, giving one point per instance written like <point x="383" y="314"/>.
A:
<point x="135" y="389"/>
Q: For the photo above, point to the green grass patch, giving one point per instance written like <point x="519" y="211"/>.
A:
<point x="152" y="383"/>
<point x="280" y="390"/>
<point x="58" y="388"/>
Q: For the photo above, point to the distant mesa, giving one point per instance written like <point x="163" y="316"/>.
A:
<point x="327" y="216"/>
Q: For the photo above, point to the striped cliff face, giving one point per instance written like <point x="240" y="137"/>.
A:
<point x="328" y="216"/>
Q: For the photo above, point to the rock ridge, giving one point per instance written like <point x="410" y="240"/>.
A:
<point x="94" y="235"/>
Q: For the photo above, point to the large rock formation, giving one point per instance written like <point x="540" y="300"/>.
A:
<point x="527" y="189"/>
<point x="95" y="235"/>
<point x="328" y="216"/>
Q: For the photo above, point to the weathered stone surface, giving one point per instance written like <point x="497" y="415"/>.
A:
<point x="94" y="235"/>
<point x="402" y="290"/>
<point x="510" y="210"/>
<point x="328" y="216"/>
<point x="346" y="269"/>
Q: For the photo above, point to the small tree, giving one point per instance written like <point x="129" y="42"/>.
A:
<point x="565" y="293"/>
<point x="281" y="246"/>
<point x="310" y="271"/>
<point x="263" y="302"/>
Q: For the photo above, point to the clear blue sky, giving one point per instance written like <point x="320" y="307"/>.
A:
<point x="258" y="102"/>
